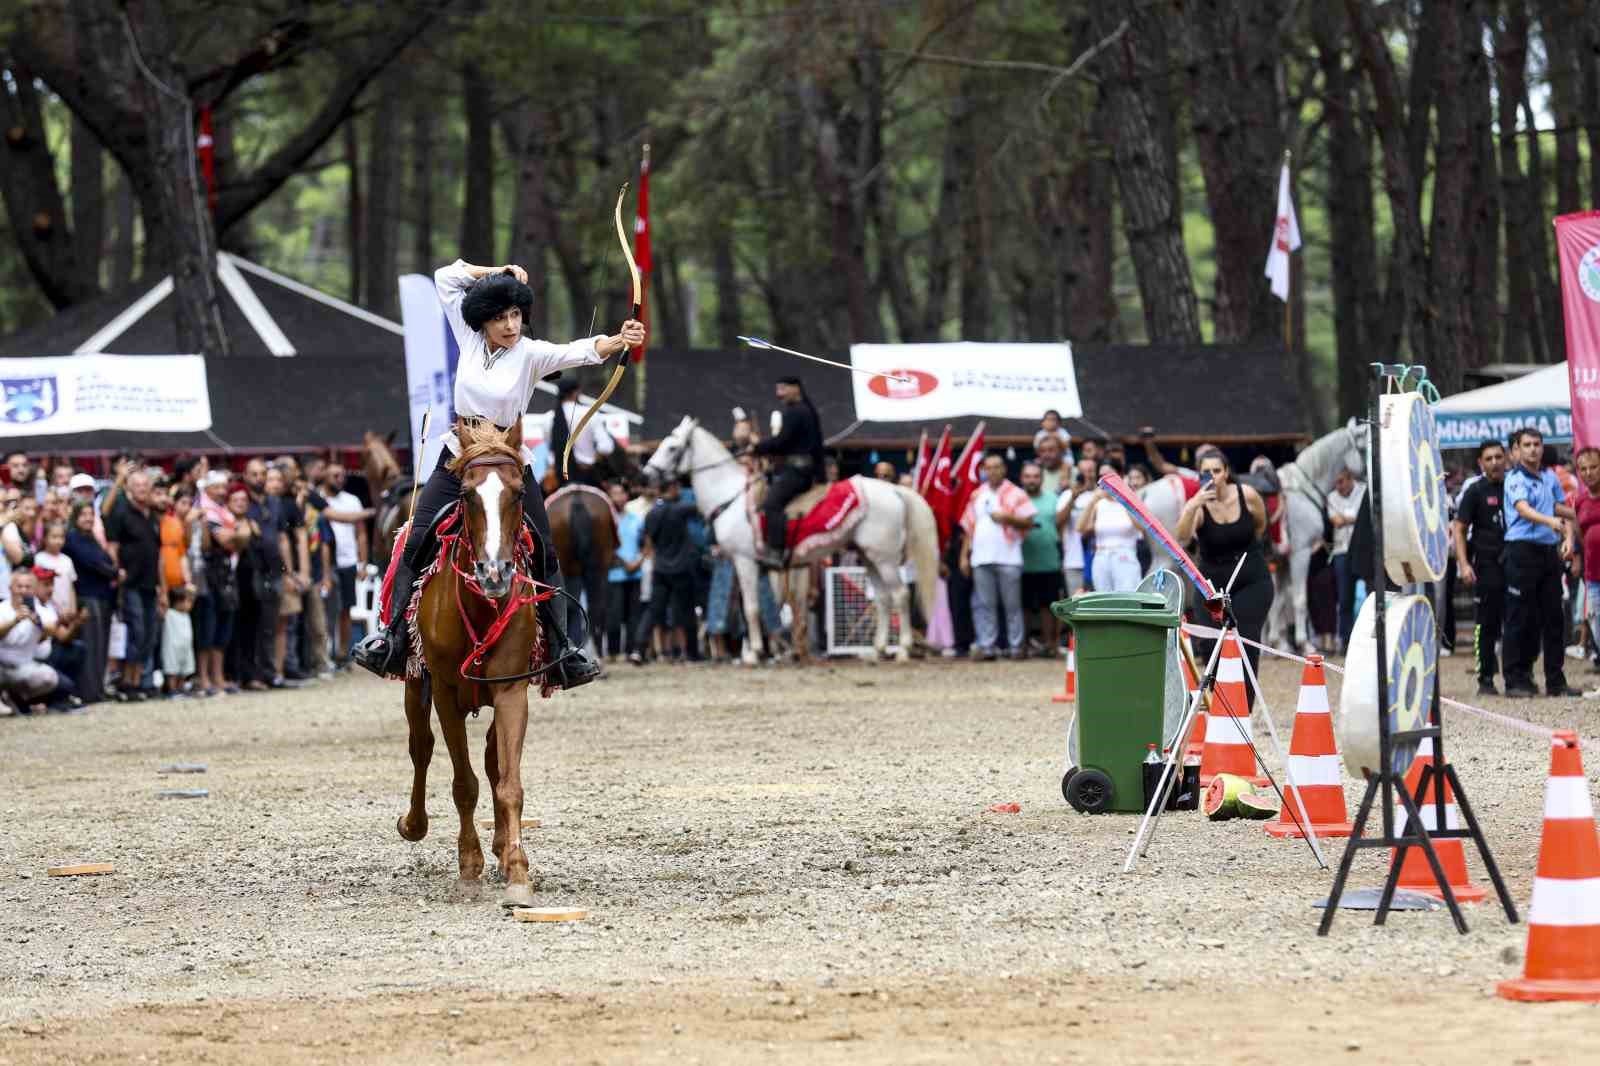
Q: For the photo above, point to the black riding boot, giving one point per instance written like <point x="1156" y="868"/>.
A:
<point x="384" y="651"/>
<point x="575" y="667"/>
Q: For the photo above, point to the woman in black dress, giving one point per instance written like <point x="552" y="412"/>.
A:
<point x="1227" y="520"/>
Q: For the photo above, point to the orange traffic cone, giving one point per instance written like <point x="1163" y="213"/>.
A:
<point x="1069" y="687"/>
<point x="1318" y="793"/>
<point x="1564" y="918"/>
<point x="1416" y="874"/>
<point x="1197" y="732"/>
<point x="1227" y="751"/>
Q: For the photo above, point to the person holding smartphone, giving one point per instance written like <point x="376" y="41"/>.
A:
<point x="1226" y="520"/>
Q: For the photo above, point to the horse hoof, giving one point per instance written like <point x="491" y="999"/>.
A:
<point x="400" y="827"/>
<point x="517" y="896"/>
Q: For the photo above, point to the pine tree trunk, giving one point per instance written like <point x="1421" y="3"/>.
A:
<point x="422" y="186"/>
<point x="1352" y="245"/>
<point x="1563" y="35"/>
<point x="88" y="200"/>
<point x="1454" y="343"/>
<point x="354" y="212"/>
<point x="530" y="226"/>
<point x="1135" y="101"/>
<point x="1483" y="200"/>
<point x="122" y="246"/>
<point x="380" y="271"/>
<point x="1406" y="309"/>
<point x="1540" y="259"/>
<point x="1230" y="51"/>
<point x="725" y="274"/>
<point x="477" y="209"/>
<point x="1523" y="336"/>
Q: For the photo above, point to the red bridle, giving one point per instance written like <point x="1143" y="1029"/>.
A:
<point x="524" y="589"/>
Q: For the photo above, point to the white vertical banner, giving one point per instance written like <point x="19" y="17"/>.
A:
<point x="431" y="356"/>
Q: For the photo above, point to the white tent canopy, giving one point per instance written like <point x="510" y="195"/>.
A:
<point x="1542" y="399"/>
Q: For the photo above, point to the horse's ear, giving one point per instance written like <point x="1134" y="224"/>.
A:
<point x="513" y="435"/>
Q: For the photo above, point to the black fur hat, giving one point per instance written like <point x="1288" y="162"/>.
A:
<point x="492" y="294"/>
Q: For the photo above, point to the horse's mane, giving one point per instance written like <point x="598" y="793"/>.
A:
<point x="480" y="440"/>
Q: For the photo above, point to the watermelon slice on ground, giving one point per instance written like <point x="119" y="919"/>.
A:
<point x="1253" y="805"/>
<point x="1221" y="800"/>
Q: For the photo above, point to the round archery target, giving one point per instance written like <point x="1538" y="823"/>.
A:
<point x="1413" y="669"/>
<point x="1416" y="523"/>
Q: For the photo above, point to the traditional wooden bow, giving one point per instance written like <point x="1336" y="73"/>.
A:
<point x="622" y="360"/>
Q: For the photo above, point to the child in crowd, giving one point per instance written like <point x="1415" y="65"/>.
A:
<point x="1050" y="426"/>
<point x="177" y="640"/>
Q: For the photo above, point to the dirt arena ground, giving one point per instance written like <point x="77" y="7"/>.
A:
<point x="779" y="865"/>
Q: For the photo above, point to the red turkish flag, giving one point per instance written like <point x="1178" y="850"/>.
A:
<point x="641" y="247"/>
<point x="968" y="472"/>
<point x="930" y="463"/>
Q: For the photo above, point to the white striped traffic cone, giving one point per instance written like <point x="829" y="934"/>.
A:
<point x="1069" y="685"/>
<point x="1227" y="751"/>
<point x="1318" y="793"/>
<point x="1416" y="874"/>
<point x="1564" y="918"/>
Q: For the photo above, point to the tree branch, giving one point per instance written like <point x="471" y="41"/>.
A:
<point x="237" y="198"/>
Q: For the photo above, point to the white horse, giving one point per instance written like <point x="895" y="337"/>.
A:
<point x="1306" y="483"/>
<point x="897" y="527"/>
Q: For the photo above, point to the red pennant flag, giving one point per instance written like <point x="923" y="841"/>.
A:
<point x="921" y="465"/>
<point x="206" y="148"/>
<point x="641" y="247"/>
<point x="968" y="472"/>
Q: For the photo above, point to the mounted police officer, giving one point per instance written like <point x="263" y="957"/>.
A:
<point x="495" y="379"/>
<point x="797" y="452"/>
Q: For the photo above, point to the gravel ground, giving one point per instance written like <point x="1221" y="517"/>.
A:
<point x="790" y="863"/>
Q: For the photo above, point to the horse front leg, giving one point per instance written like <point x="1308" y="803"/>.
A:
<point x="464" y="785"/>
<point x="510" y="730"/>
<point x="749" y="575"/>
<point x="413" y="825"/>
<point x="1299" y="572"/>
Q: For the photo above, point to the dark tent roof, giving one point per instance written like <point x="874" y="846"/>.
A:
<point x="314" y="323"/>
<point x="1225" y="393"/>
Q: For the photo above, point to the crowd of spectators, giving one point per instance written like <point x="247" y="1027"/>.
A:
<point x="215" y="582"/>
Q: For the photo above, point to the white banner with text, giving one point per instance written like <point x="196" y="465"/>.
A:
<point x="965" y="378"/>
<point x="82" y="393"/>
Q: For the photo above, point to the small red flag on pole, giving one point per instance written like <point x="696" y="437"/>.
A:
<point x="206" y="148"/>
<point x="641" y="246"/>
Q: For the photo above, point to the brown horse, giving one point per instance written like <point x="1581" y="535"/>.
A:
<point x="584" y="532"/>
<point x="383" y="475"/>
<point x="478" y="631"/>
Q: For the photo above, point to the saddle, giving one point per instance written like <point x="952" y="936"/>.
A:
<point x="820" y="519"/>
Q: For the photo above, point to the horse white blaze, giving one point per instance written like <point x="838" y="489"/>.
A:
<point x="489" y="491"/>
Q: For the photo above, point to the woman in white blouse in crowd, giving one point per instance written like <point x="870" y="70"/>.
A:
<point x="496" y="375"/>
<point x="1116" y="539"/>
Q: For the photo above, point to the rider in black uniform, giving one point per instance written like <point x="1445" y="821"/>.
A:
<point x="798" y="447"/>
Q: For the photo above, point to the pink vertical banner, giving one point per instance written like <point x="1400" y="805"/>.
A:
<point x="1578" y="240"/>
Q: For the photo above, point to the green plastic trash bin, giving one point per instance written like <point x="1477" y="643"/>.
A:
<point x="1122" y="674"/>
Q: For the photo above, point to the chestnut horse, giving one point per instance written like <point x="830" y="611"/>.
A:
<point x="384" y="474"/>
<point x="477" y="632"/>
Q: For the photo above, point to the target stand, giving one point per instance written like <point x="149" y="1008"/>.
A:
<point x="1401" y="693"/>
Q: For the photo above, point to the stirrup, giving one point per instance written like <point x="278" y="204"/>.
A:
<point x="382" y="651"/>
<point x="576" y="670"/>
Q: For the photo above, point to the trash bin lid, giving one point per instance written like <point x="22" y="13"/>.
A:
<point x="1138" y="608"/>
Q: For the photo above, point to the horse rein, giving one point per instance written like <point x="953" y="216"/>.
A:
<point x="514" y="601"/>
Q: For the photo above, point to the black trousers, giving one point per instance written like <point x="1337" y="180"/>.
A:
<point x="1534" y="619"/>
<point x="788" y="483"/>
<point x="1488" y="615"/>
<point x="622" y="616"/>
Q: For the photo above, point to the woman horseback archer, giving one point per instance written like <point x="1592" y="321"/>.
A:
<point x="495" y="379"/>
